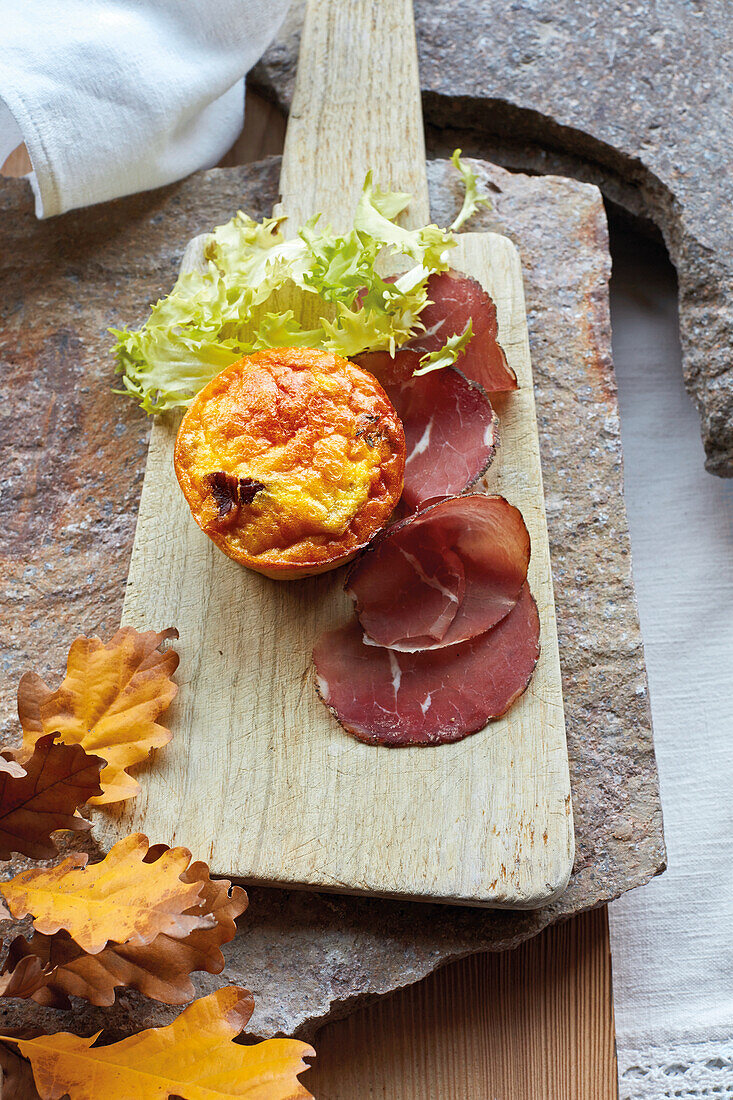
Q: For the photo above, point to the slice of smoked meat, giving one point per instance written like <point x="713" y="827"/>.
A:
<point x="428" y="698"/>
<point x="451" y="435"/>
<point x="454" y="300"/>
<point x="443" y="576"/>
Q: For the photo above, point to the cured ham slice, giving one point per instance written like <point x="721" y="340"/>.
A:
<point x="455" y="299"/>
<point x="451" y="435"/>
<point x="428" y="698"/>
<point x="443" y="576"/>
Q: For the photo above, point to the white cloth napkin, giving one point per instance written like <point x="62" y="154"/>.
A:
<point x="672" y="941"/>
<point x="117" y="96"/>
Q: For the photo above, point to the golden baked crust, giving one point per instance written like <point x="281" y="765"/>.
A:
<point x="291" y="460"/>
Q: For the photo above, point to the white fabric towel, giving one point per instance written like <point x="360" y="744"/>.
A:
<point x="117" y="96"/>
<point x="672" y="941"/>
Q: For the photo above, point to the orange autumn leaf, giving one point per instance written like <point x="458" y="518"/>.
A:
<point x="108" y="703"/>
<point x="159" y="969"/>
<point x="57" y="779"/>
<point x="122" y="898"/>
<point x="193" y="1057"/>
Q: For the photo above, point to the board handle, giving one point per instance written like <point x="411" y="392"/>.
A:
<point x="356" y="107"/>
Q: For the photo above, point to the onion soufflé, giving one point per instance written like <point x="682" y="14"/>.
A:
<point x="291" y="460"/>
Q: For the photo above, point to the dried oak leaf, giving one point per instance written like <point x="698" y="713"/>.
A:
<point x="122" y="898"/>
<point x="58" y="778"/>
<point x="159" y="969"/>
<point x="193" y="1057"/>
<point x="16" y="1076"/>
<point x="26" y="978"/>
<point x="108" y="703"/>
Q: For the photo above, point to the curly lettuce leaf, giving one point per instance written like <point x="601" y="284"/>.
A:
<point x="284" y="330"/>
<point x="260" y="289"/>
<point x="472" y="198"/>
<point x="162" y="368"/>
<point x="447" y="355"/>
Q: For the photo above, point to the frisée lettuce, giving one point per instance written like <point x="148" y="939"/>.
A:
<point x="448" y="354"/>
<point x="258" y="288"/>
<point x="472" y="198"/>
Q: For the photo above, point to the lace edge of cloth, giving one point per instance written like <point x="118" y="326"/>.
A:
<point x="685" y="1071"/>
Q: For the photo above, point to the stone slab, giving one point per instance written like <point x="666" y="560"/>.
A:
<point x="74" y="457"/>
<point x="634" y="97"/>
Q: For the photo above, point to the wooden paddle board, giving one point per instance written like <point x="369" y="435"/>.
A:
<point x="259" y="780"/>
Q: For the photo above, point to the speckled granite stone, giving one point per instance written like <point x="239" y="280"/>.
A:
<point x="636" y="97"/>
<point x="73" y="463"/>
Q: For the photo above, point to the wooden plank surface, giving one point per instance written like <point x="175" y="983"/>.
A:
<point x="286" y="797"/>
<point x="356" y="107"/>
<point x="530" y="1024"/>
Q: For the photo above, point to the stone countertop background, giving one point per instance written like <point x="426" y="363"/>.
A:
<point x="74" y="457"/>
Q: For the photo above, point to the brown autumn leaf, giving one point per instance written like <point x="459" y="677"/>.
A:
<point x="57" y="779"/>
<point x="27" y="978"/>
<point x="160" y="969"/>
<point x="108" y="703"/>
<point x="16" y="1076"/>
<point x="193" y="1057"/>
<point x="122" y="898"/>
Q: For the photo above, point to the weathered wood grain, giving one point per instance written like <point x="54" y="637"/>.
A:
<point x="530" y="1024"/>
<point x="356" y="108"/>
<point x="259" y="778"/>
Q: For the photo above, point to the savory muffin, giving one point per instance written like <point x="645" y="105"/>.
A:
<point x="291" y="460"/>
